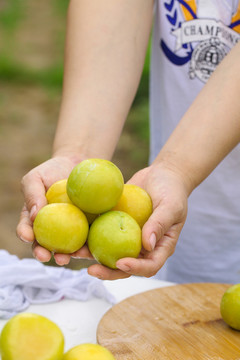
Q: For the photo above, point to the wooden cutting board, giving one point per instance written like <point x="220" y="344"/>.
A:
<point x="180" y="322"/>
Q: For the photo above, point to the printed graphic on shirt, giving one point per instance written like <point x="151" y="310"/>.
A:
<point x="199" y="41"/>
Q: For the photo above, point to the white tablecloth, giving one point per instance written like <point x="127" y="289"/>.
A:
<point x="79" y="320"/>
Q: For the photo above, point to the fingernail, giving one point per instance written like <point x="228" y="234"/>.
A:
<point x="123" y="267"/>
<point x="152" y="241"/>
<point x="81" y="258"/>
<point x="24" y="240"/>
<point x="35" y="256"/>
<point x="33" y="210"/>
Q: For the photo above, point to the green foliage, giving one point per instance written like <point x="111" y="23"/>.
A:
<point x="51" y="77"/>
<point x="143" y="89"/>
<point x="61" y="6"/>
<point x="11" y="71"/>
<point x="10" y="14"/>
<point x="147" y="59"/>
<point x="138" y="123"/>
<point x="14" y="72"/>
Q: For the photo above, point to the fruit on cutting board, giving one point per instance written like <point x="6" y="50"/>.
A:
<point x="114" y="235"/>
<point x="88" y="352"/>
<point x="29" y="336"/>
<point x="95" y="185"/>
<point x="136" y="202"/>
<point x="61" y="228"/>
<point x="230" y="306"/>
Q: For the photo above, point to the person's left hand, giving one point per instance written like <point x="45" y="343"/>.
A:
<point x="160" y="233"/>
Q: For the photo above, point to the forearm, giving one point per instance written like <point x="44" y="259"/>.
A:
<point x="210" y="129"/>
<point x="106" y="43"/>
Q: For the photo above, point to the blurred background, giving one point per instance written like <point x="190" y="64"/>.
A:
<point x="31" y="69"/>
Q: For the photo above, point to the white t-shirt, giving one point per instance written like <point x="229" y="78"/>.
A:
<point x="190" y="38"/>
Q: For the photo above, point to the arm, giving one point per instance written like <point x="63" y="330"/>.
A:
<point x="208" y="131"/>
<point x="105" y="51"/>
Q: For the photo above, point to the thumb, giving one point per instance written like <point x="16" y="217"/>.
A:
<point x="34" y="193"/>
<point x="158" y="224"/>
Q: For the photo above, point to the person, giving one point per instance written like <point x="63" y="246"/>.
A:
<point x="194" y="173"/>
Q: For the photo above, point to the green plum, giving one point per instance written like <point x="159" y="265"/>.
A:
<point x="95" y="185"/>
<point x="61" y="228"/>
<point x="230" y="306"/>
<point x="114" y="235"/>
<point x="30" y="336"/>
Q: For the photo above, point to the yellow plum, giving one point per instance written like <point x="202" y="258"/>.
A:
<point x="88" y="352"/>
<point x="29" y="336"/>
<point x="61" y="228"/>
<point x="136" y="202"/>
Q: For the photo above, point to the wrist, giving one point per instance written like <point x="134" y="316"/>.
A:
<point x="74" y="156"/>
<point x="81" y="149"/>
<point x="181" y="169"/>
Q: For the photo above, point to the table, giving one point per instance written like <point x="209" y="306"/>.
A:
<point x="79" y="320"/>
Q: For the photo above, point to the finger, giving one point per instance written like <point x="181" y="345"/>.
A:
<point x="82" y="253"/>
<point x="104" y="273"/>
<point x="158" y="224"/>
<point x="34" y="193"/>
<point x="41" y="253"/>
<point x="138" y="267"/>
<point x="152" y="262"/>
<point x="62" y="259"/>
<point x="24" y="228"/>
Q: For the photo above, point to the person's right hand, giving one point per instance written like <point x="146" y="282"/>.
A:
<point x="34" y="187"/>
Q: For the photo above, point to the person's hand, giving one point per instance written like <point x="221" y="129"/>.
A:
<point x="160" y="233"/>
<point x="34" y="187"/>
